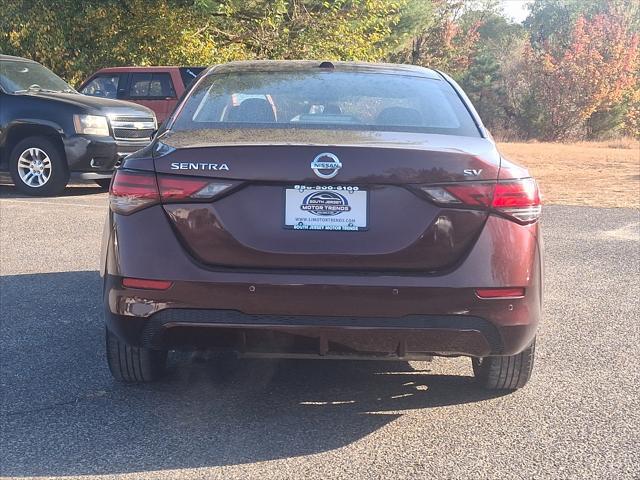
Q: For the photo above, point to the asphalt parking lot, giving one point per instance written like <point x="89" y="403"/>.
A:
<point x="62" y="414"/>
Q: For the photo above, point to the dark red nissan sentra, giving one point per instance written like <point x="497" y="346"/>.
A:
<point x="329" y="210"/>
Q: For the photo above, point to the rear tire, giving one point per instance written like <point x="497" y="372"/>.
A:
<point x="131" y="364"/>
<point x="38" y="167"/>
<point x="505" y="373"/>
<point x="103" y="183"/>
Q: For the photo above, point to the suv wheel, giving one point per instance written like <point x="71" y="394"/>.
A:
<point x="505" y="373"/>
<point x="134" y="364"/>
<point x="38" y="167"/>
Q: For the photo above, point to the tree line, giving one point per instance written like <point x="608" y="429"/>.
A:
<point x="570" y="71"/>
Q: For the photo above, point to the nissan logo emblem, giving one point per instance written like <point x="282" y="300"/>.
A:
<point x="326" y="165"/>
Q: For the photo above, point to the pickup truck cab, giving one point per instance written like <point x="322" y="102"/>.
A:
<point x="157" y="88"/>
<point x="50" y="133"/>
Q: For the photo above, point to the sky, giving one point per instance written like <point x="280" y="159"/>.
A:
<point x="516" y="10"/>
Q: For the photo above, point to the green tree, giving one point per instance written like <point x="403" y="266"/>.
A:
<point x="446" y="40"/>
<point x="288" y="29"/>
<point x="486" y="81"/>
<point x="74" y="37"/>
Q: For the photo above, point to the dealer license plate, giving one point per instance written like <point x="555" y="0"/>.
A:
<point x="326" y="207"/>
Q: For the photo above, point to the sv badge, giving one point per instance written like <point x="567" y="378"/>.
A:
<point x="471" y="172"/>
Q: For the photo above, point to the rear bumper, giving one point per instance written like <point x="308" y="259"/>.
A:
<point x="324" y="312"/>
<point x="411" y="337"/>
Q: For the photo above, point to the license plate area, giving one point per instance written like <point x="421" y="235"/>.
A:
<point x="326" y="207"/>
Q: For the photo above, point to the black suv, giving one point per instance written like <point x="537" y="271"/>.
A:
<point x="49" y="132"/>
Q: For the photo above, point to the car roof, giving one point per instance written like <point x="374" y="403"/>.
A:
<point x="311" y="65"/>
<point x="16" y="59"/>
<point x="142" y="69"/>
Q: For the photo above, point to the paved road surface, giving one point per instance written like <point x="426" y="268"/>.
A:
<point x="62" y="415"/>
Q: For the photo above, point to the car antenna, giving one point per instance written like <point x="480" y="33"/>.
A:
<point x="327" y="64"/>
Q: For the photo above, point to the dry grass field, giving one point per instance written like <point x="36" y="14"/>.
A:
<point x="600" y="174"/>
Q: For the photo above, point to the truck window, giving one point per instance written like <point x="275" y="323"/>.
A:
<point x="102" y="86"/>
<point x="151" y="85"/>
<point x="189" y="74"/>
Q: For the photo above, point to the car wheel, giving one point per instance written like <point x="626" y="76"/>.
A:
<point x="134" y="364"/>
<point x="38" y="167"/>
<point x="103" y="182"/>
<point x="505" y="373"/>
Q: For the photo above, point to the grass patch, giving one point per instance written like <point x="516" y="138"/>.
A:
<point x="600" y="174"/>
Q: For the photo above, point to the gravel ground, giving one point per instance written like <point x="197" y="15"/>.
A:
<point x="63" y="416"/>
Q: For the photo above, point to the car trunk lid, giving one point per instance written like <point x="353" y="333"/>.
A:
<point x="390" y="226"/>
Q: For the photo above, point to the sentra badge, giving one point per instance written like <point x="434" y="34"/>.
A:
<point x="326" y="165"/>
<point x="199" y="166"/>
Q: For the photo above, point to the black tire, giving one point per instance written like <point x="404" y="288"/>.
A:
<point x="505" y="373"/>
<point x="59" y="171"/>
<point x="131" y="364"/>
<point x="103" y="182"/>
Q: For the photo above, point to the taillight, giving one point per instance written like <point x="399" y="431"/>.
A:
<point x="132" y="191"/>
<point x="517" y="199"/>
<point x="471" y="194"/>
<point x="176" y="189"/>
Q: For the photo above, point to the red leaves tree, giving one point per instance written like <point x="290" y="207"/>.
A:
<point x="596" y="71"/>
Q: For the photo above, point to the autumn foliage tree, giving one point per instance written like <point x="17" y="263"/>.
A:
<point x="447" y="44"/>
<point x="594" y="73"/>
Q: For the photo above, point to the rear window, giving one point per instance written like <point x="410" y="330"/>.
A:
<point x="333" y="100"/>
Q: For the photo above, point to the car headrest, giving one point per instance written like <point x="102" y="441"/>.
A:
<point x="257" y="110"/>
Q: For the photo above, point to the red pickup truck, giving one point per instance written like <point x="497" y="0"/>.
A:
<point x="157" y="88"/>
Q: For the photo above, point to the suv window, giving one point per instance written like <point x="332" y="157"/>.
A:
<point x="17" y="76"/>
<point x="151" y="85"/>
<point x="102" y="86"/>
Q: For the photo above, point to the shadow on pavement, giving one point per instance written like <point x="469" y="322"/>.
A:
<point x="62" y="414"/>
<point x="8" y="190"/>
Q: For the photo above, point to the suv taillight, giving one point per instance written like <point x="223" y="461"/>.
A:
<point x="133" y="190"/>
<point x="516" y="199"/>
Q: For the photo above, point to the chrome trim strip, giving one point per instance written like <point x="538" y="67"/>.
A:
<point x="127" y="125"/>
